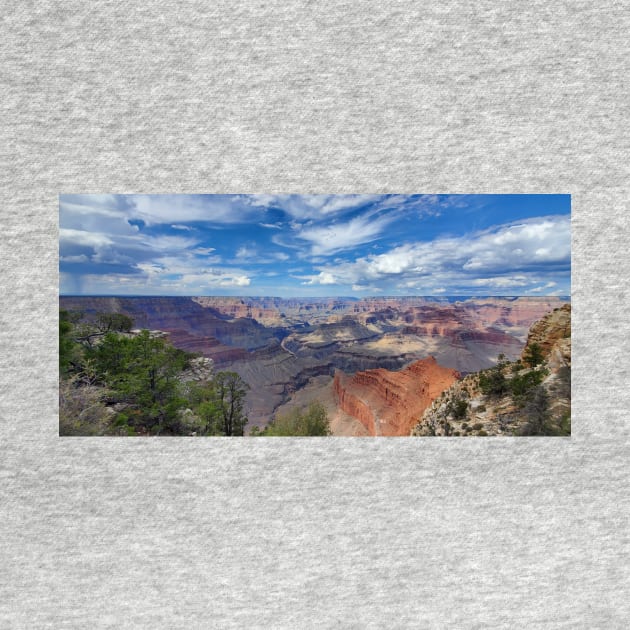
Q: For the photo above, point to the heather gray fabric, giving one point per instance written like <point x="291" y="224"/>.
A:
<point x="314" y="97"/>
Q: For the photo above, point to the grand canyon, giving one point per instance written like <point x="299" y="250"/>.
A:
<point x="375" y="364"/>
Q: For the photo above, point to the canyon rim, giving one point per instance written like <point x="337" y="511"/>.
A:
<point x="315" y="315"/>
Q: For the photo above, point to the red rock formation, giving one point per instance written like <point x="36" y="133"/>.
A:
<point x="390" y="403"/>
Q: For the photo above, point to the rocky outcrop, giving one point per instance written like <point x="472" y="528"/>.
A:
<point x="552" y="333"/>
<point x="513" y="398"/>
<point x="389" y="403"/>
<point x="199" y="369"/>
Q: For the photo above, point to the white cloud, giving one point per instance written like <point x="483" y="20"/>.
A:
<point x="509" y="256"/>
<point x="237" y="281"/>
<point x="74" y="259"/>
<point x="338" y="237"/>
<point x="82" y="237"/>
<point x="363" y="288"/>
<point x="324" y="277"/>
<point x="340" y="203"/>
<point x="549" y="285"/>
<point x="303" y="207"/>
<point x="251" y="255"/>
<point x="214" y="278"/>
<point x="502" y="281"/>
<point x="150" y="269"/>
<point x="544" y="241"/>
<point x="179" y="209"/>
<point x="246" y="252"/>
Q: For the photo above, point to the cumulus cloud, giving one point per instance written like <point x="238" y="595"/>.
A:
<point x="215" y="278"/>
<point x="485" y="259"/>
<point x="324" y="277"/>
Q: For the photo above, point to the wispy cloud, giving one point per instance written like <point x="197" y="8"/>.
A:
<point x="305" y="207"/>
<point x="338" y="237"/>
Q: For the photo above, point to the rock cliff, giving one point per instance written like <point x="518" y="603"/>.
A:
<point x="552" y="333"/>
<point x="389" y="403"/>
<point x="513" y="398"/>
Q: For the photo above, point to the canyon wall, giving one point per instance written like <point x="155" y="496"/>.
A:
<point x="390" y="403"/>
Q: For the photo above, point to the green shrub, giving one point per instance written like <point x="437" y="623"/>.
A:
<point x="482" y="433"/>
<point x="122" y="419"/>
<point x="533" y="355"/>
<point x="458" y="408"/>
<point x="312" y="421"/>
<point x="492" y="382"/>
<point x="521" y="385"/>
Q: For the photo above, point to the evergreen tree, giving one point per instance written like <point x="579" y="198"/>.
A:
<point x="533" y="355"/>
<point x="227" y="404"/>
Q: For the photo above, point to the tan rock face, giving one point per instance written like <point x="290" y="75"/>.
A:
<point x="553" y="334"/>
<point x="390" y="403"/>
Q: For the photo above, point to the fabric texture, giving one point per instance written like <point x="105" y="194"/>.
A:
<point x="336" y="97"/>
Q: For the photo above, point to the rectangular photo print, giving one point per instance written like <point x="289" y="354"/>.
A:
<point x="314" y="315"/>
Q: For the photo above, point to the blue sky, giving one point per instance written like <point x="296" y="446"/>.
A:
<point x="314" y="245"/>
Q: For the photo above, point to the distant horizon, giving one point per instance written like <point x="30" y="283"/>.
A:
<point x="313" y="246"/>
<point x="316" y="297"/>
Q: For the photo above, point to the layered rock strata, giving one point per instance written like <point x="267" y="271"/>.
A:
<point x="390" y="403"/>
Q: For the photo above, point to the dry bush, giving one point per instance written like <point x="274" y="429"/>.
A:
<point x="81" y="410"/>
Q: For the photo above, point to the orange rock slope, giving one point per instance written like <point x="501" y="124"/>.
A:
<point x="390" y="403"/>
